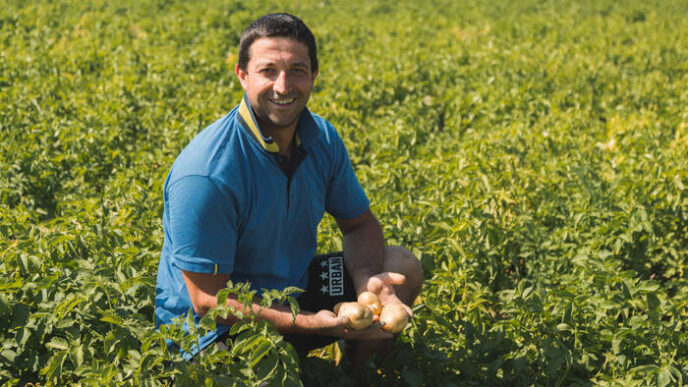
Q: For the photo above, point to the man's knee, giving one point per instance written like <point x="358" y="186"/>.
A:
<point x="400" y="260"/>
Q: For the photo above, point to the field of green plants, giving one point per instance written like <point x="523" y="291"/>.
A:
<point x="532" y="153"/>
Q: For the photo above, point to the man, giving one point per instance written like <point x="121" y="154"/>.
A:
<point x="243" y="201"/>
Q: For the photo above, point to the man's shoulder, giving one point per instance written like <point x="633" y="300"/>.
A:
<point x="210" y="150"/>
<point x="325" y="132"/>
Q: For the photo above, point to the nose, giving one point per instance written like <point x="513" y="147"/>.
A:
<point x="281" y="85"/>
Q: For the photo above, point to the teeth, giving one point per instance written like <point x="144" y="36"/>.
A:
<point x="283" y="102"/>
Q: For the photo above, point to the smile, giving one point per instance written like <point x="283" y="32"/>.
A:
<point x="283" y="101"/>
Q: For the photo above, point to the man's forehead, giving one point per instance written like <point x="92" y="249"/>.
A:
<point x="269" y="48"/>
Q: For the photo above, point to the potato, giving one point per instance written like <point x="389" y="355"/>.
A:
<point x="360" y="317"/>
<point x="393" y="318"/>
<point x="336" y="307"/>
<point x="370" y="300"/>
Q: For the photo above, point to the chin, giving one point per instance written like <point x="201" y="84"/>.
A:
<point x="283" y="123"/>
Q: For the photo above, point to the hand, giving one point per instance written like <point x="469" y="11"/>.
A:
<point x="383" y="285"/>
<point x="328" y="323"/>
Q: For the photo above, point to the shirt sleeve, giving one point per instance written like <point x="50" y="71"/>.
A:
<point x="202" y="226"/>
<point x="345" y="196"/>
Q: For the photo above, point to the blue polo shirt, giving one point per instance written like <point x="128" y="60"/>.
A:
<point x="233" y="205"/>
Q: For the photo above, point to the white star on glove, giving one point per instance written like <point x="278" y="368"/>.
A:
<point x="323" y="275"/>
<point x="323" y="263"/>
<point x="324" y="289"/>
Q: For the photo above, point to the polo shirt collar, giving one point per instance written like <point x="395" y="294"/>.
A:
<point x="306" y="129"/>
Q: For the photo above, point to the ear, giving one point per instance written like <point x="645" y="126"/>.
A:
<point x="314" y="74"/>
<point x="242" y="75"/>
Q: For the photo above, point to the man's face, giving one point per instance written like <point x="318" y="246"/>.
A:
<point x="278" y="82"/>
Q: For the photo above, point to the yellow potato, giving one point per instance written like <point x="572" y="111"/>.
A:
<point x="359" y="316"/>
<point x="393" y="318"/>
<point x="370" y="300"/>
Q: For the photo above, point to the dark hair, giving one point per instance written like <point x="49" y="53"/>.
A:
<point x="277" y="25"/>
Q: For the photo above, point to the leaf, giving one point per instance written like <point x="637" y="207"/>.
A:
<point x="292" y="381"/>
<point x="267" y="368"/>
<point x="23" y="336"/>
<point x="562" y="327"/>
<point x="67" y="306"/>
<point x="441" y="225"/>
<point x="222" y="297"/>
<point x="251" y="342"/>
<point x="58" y="343"/>
<point x="8" y="354"/>
<point x="207" y="323"/>
<point x="16" y="284"/>
<point x="526" y="292"/>
<point x="675" y="372"/>
<point x="294" y="306"/>
<point x="134" y="355"/>
<point x="20" y="315"/>
<point x="112" y="318"/>
<point x="54" y="366"/>
<point x="289" y="290"/>
<point x="664" y="377"/>
<point x="4" y="306"/>
<point x="64" y="323"/>
<point x="238" y="327"/>
<point x="191" y="323"/>
<point x="77" y="355"/>
<point x="647" y="287"/>
<point x="260" y="352"/>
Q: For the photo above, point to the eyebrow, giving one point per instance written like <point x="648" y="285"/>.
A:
<point x="271" y="63"/>
<point x="301" y="64"/>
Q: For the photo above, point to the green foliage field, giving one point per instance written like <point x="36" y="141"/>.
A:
<point x="533" y="153"/>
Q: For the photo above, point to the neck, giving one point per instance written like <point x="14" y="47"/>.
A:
<point x="282" y="136"/>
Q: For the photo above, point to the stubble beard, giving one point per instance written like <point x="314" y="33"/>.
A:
<point x="267" y="124"/>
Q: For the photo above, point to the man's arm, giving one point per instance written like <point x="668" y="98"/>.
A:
<point x="203" y="288"/>
<point x="364" y="247"/>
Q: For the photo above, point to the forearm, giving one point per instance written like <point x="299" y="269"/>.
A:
<point x="364" y="256"/>
<point x="324" y="322"/>
<point x="363" y="250"/>
<point x="280" y="315"/>
<point x="203" y="289"/>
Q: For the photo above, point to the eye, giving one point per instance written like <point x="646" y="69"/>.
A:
<point x="267" y="71"/>
<point x="299" y="71"/>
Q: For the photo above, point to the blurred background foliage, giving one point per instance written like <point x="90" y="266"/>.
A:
<point x="532" y="153"/>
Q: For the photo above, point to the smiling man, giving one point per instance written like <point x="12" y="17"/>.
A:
<point x="244" y="199"/>
<point x="278" y="82"/>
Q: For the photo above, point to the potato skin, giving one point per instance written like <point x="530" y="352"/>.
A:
<point x="360" y="317"/>
<point x="370" y="300"/>
<point x="394" y="318"/>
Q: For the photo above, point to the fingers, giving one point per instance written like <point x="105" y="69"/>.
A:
<point x="335" y="321"/>
<point x="343" y="321"/>
<point x="373" y="332"/>
<point x="391" y="278"/>
<point x="328" y="313"/>
<point x="333" y="325"/>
